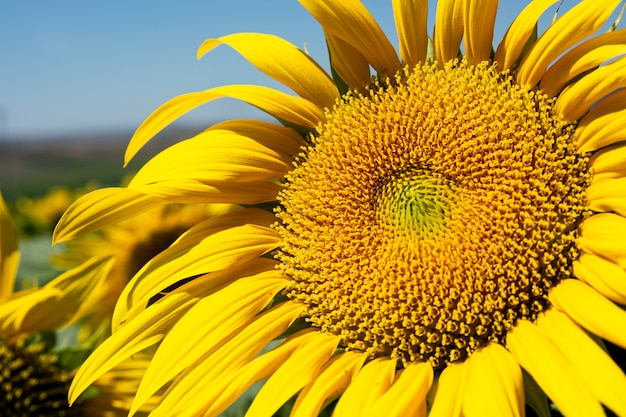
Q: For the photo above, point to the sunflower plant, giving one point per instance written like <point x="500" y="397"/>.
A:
<point x="445" y="232"/>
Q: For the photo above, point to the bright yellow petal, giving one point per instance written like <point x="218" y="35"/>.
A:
<point x="352" y="22"/>
<point x="206" y="326"/>
<point x="604" y="276"/>
<point x="495" y="386"/>
<point x="370" y="384"/>
<point x="211" y="385"/>
<point x="57" y="304"/>
<point x="100" y="208"/>
<point x="578" y="23"/>
<point x="331" y="381"/>
<point x="603" y="235"/>
<point x="583" y="57"/>
<point x="579" y="97"/>
<point x="280" y="138"/>
<point x="9" y="253"/>
<point x="283" y="62"/>
<point x="448" y="400"/>
<point x="296" y="372"/>
<point x="213" y="156"/>
<point x="411" y="18"/>
<point x="607" y="195"/>
<point x="605" y="379"/>
<point x="407" y="394"/>
<point x="603" y="125"/>
<point x="286" y="107"/>
<point x="534" y="351"/>
<point x="591" y="310"/>
<point x="519" y="33"/>
<point x="348" y="63"/>
<point x="479" y="17"/>
<point x="448" y="30"/>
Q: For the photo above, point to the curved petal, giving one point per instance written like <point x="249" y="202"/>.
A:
<point x="583" y="57"/>
<point x="451" y="386"/>
<point x="479" y="17"/>
<point x="603" y="125"/>
<point x="205" y="327"/>
<point x="57" y="304"/>
<point x="296" y="372"/>
<point x="348" y="63"/>
<point x="213" y="156"/>
<point x="534" y="351"/>
<point x="372" y="381"/>
<point x="590" y="310"/>
<point x="283" y="106"/>
<point x="352" y="22"/>
<point x="608" y="195"/>
<point x="605" y="379"/>
<point x="407" y="395"/>
<point x="494" y="384"/>
<point x="608" y="163"/>
<point x="579" y="97"/>
<point x="448" y="30"/>
<point x="211" y="385"/>
<point x="283" y="62"/>
<point x="101" y="208"/>
<point x="603" y="235"/>
<point x="411" y="18"/>
<point x="332" y="380"/>
<point x="9" y="253"/>
<point x="578" y="23"/>
<point x="518" y="34"/>
<point x="604" y="276"/>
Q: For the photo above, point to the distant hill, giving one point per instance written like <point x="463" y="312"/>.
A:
<point x="32" y="167"/>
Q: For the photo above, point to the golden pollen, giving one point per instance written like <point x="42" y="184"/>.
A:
<point x="432" y="213"/>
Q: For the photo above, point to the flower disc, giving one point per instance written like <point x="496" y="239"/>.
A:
<point x="431" y="214"/>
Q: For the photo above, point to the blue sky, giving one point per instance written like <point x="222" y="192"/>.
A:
<point x="75" y="66"/>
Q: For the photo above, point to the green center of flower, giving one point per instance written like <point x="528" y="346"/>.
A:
<point x="429" y="216"/>
<point x="415" y="201"/>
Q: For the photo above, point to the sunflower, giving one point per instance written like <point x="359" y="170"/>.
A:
<point x="35" y="373"/>
<point x="446" y="232"/>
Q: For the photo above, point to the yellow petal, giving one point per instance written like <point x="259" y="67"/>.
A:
<point x="583" y="57"/>
<point x="479" y="17"/>
<point x="296" y="372"/>
<point x="286" y="107"/>
<point x="448" y="30"/>
<point x="218" y="380"/>
<point x="57" y="304"/>
<point x="411" y="17"/>
<point x="407" y="394"/>
<point x="604" y="276"/>
<point x="494" y="384"/>
<point x="283" y="62"/>
<point x="101" y="208"/>
<point x="607" y="195"/>
<point x="352" y="22"/>
<point x="603" y="235"/>
<point x="534" y="351"/>
<point x="450" y="390"/>
<point x="608" y="163"/>
<point x="348" y="63"/>
<point x="207" y="326"/>
<point x="603" y="125"/>
<point x="212" y="156"/>
<point x="578" y="23"/>
<point x="370" y="384"/>
<point x="332" y="380"/>
<point x="591" y="310"/>
<point x="579" y="97"/>
<point x="605" y="379"/>
<point x="518" y="34"/>
<point x="9" y="253"/>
